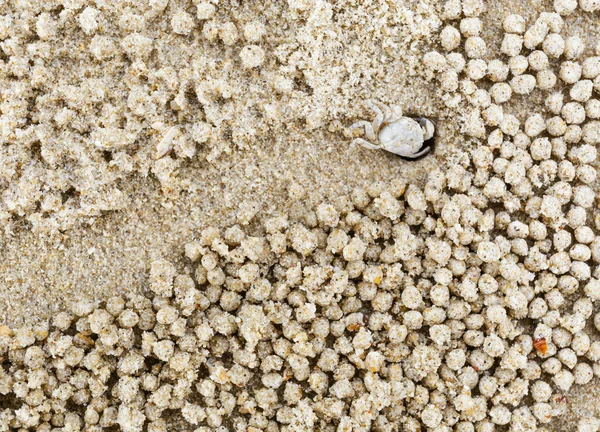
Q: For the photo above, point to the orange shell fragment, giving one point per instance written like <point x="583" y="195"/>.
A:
<point x="540" y="345"/>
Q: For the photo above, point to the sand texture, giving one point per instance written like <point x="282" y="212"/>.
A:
<point x="129" y="127"/>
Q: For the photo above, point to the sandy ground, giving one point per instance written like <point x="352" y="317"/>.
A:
<point x="110" y="253"/>
<point x="99" y="255"/>
<point x="113" y="254"/>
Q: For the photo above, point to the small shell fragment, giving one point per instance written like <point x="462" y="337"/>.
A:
<point x="166" y="144"/>
<point x="84" y="339"/>
<point x="540" y="345"/>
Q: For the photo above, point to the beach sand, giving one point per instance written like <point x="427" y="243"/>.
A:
<point x="271" y="128"/>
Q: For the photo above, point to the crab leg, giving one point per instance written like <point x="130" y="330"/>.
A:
<point x="421" y="153"/>
<point x="365" y="144"/>
<point x="385" y="109"/>
<point x="379" y="118"/>
<point x="369" y="132"/>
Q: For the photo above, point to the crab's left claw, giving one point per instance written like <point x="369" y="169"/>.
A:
<point x="396" y="113"/>
<point x="428" y="128"/>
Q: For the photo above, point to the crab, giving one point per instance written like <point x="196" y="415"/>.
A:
<point x="391" y="131"/>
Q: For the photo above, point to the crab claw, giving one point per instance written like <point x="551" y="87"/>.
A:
<point x="427" y="126"/>
<point x="396" y="112"/>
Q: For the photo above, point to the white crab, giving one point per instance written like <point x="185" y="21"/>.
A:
<point x="400" y="135"/>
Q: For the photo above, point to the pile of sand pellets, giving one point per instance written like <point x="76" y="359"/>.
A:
<point x="467" y="304"/>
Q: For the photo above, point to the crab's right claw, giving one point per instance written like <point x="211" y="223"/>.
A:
<point x="428" y="128"/>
